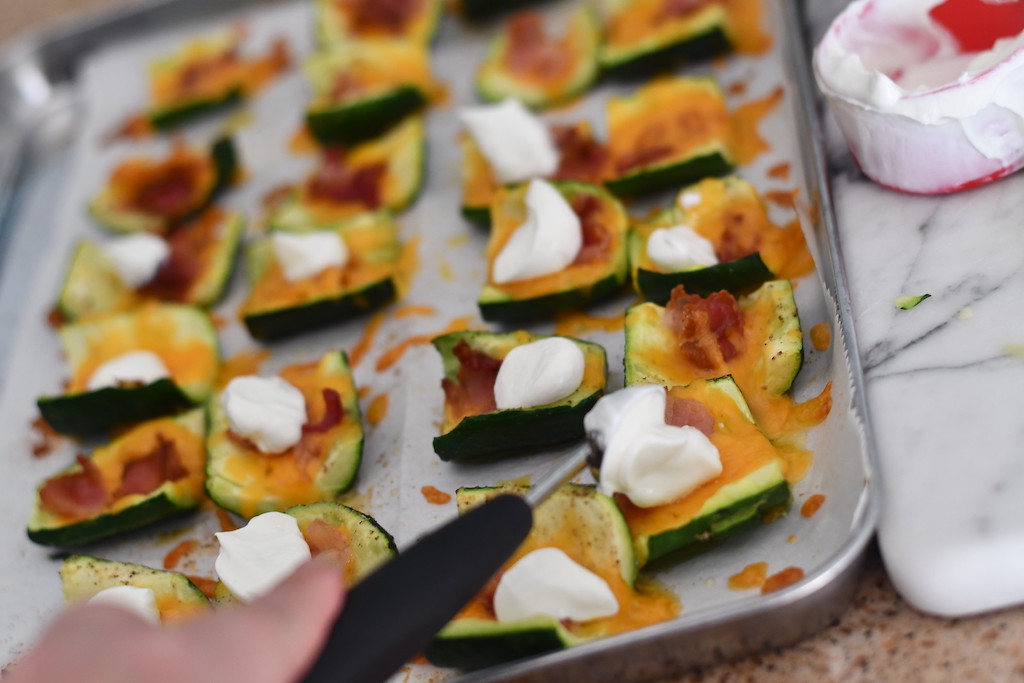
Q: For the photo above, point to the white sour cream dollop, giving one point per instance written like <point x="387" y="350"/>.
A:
<point x="303" y="255"/>
<point x="138" y="257"/>
<point x="517" y="144"/>
<point x="680" y="248"/>
<point x="268" y="411"/>
<point x="547" y="582"/>
<point x="539" y="373"/>
<point x="650" y="462"/>
<point x="139" y="601"/>
<point x="546" y="243"/>
<point x="257" y="557"/>
<point x="144" y="367"/>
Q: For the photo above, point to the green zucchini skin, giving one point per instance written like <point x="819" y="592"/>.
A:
<point x="508" y="432"/>
<point x="480" y="215"/>
<point x="497" y="305"/>
<point x="739" y="276"/>
<point x="371" y="546"/>
<point x="364" y="119"/>
<point x="169" y="500"/>
<point x="478" y="643"/>
<point x="83" y="576"/>
<point x="479" y="10"/>
<point x="97" y="412"/>
<point x="166" y="118"/>
<point x="672" y="173"/>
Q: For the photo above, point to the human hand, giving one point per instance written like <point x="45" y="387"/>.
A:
<point x="271" y="640"/>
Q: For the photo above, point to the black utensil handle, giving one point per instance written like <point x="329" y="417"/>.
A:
<point x="394" y="612"/>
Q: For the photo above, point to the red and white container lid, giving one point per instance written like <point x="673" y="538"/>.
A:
<point x="929" y="93"/>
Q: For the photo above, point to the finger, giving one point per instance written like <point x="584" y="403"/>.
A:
<point x="276" y="637"/>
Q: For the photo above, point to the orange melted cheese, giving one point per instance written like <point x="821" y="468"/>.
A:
<point x="747" y="141"/>
<point x="135" y="175"/>
<point x="279" y="477"/>
<point x="479" y="186"/>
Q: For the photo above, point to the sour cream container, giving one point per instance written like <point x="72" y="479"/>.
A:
<point x="929" y="95"/>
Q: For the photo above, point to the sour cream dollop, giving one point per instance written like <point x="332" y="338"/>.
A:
<point x="547" y="582"/>
<point x="268" y="411"/>
<point x="303" y="255"/>
<point x="517" y="144"/>
<point x="680" y="248"/>
<point x="547" y="242"/>
<point x="144" y="367"/>
<point x="650" y="462"/>
<point x="139" y="601"/>
<point x="539" y="373"/>
<point x="138" y="257"/>
<point x="257" y="557"/>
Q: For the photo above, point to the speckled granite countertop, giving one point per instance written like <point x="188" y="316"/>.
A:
<point x="880" y="638"/>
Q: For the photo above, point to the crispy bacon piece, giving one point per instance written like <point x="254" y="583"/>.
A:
<point x="328" y="542"/>
<point x="530" y="51"/>
<point x="710" y="330"/>
<point x="146" y="474"/>
<point x="336" y="181"/>
<point x="582" y="157"/>
<point x="175" y="276"/>
<point x="596" y="240"/>
<point x="687" y="412"/>
<point x="738" y="240"/>
<point x="332" y="416"/>
<point x="76" y="495"/>
<point x="474" y="392"/>
<point x="390" y="16"/>
<point x="680" y="8"/>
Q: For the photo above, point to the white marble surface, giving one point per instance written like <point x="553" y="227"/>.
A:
<point x="944" y="385"/>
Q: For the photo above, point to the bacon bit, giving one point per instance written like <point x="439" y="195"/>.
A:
<point x="225" y="521"/>
<point x="596" y="240"/>
<point x="335" y="181"/>
<point x="680" y="8"/>
<point x="710" y="329"/>
<point x="473" y="391"/>
<point x="752" y="576"/>
<point x="55" y="319"/>
<point x="146" y="474"/>
<point x="75" y="495"/>
<point x="390" y="16"/>
<point x="207" y="586"/>
<point x="170" y="192"/>
<point x="276" y="196"/>
<point x="174" y="557"/>
<point x="395" y="353"/>
<point x="328" y="542"/>
<point x="812" y="505"/>
<point x="46" y="439"/>
<point x="333" y="414"/>
<point x="378" y="410"/>
<point x="739" y="238"/>
<point x="581" y="156"/>
<point x="821" y="336"/>
<point x="779" y="171"/>
<point x="687" y="412"/>
<point x="786" y="577"/>
<point x="531" y="52"/>
<point x="174" y="277"/>
<point x="435" y="496"/>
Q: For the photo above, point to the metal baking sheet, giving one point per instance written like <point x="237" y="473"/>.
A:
<point x="63" y="93"/>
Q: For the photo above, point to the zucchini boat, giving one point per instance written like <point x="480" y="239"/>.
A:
<point x="151" y="472"/>
<point x="581" y="157"/>
<point x="385" y="173"/>
<point x="338" y="21"/>
<point x="246" y="481"/>
<point x="362" y="88"/>
<point x="756" y="339"/>
<point x="474" y="428"/>
<point x="277" y="307"/>
<point x="600" y="267"/>
<point x="751" y="483"/>
<point x="208" y="74"/>
<point x="196" y="271"/>
<point x="341" y="534"/>
<point x="589" y="528"/>
<point x="541" y="70"/>
<point x="177" y="598"/>
<point x="184" y="339"/>
<point x="645" y="36"/>
<point x="155" y="195"/>
<point x="669" y="133"/>
<point x="728" y="213"/>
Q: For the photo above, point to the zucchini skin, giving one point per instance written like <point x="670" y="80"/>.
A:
<point x="82" y="576"/>
<point x="282" y="323"/>
<point x="481" y="215"/>
<point x="364" y="119"/>
<point x="498" y="309"/>
<point x="648" y="62"/>
<point x="670" y="174"/>
<point x="96" y="412"/>
<point x="739" y="276"/>
<point x="479" y="10"/>
<point x="169" y="117"/>
<point x="477" y="643"/>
